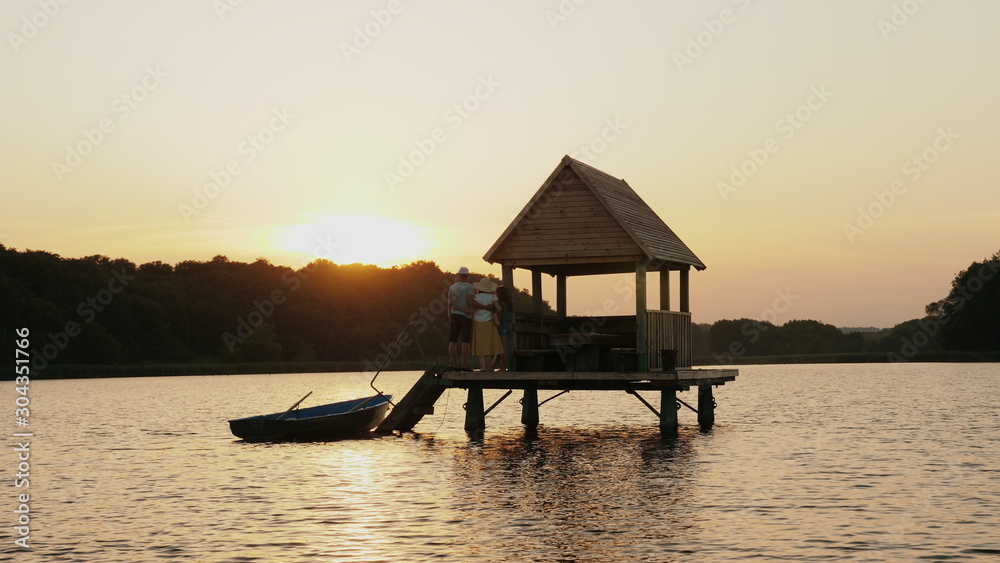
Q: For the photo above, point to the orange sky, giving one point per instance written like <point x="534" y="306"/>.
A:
<point x="837" y="151"/>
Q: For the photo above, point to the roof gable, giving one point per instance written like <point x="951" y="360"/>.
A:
<point x="650" y="232"/>
<point x="581" y="217"/>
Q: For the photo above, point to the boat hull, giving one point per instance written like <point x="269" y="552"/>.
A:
<point x="323" y="422"/>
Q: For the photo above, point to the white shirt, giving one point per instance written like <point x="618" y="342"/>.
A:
<point x="482" y="315"/>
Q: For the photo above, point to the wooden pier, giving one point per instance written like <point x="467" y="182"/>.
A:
<point x="583" y="221"/>
<point x="419" y="401"/>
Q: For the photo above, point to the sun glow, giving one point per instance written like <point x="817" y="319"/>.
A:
<point x="347" y="239"/>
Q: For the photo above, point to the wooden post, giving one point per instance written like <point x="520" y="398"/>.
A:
<point x="668" y="409"/>
<point x="536" y="291"/>
<point x="508" y="279"/>
<point x="561" y="294"/>
<point x="529" y="408"/>
<point x="686" y="290"/>
<point x="475" y="412"/>
<point x="706" y="407"/>
<point x="641" y="333"/>
<point x="665" y="287"/>
<point x="508" y="282"/>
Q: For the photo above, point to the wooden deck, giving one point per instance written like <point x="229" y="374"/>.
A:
<point x="419" y="401"/>
<point x="682" y="378"/>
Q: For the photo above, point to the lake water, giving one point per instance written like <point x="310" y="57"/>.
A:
<point x="805" y="463"/>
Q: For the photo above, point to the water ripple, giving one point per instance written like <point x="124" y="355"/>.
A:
<point x="806" y="463"/>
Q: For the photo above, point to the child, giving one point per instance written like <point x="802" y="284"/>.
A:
<point x="506" y="327"/>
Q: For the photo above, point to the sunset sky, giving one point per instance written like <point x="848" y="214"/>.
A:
<point x="841" y="151"/>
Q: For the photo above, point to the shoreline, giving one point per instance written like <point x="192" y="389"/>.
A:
<point x="953" y="356"/>
<point x="85" y="371"/>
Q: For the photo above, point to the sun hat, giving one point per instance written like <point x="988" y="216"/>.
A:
<point x="463" y="270"/>
<point x="485" y="285"/>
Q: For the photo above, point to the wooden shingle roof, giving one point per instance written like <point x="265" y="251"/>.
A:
<point x="585" y="221"/>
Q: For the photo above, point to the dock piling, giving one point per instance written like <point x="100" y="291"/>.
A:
<point x="529" y="407"/>
<point x="668" y="409"/>
<point x="475" y="413"/>
<point x="706" y="406"/>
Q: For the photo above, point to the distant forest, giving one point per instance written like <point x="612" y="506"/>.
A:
<point x="102" y="311"/>
<point x="966" y="320"/>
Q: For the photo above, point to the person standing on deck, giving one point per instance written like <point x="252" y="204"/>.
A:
<point x="460" y="305"/>
<point x="506" y="326"/>
<point x="485" y="339"/>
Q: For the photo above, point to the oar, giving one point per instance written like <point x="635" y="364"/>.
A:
<point x="291" y="408"/>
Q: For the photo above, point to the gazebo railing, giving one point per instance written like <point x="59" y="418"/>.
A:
<point x="669" y="330"/>
<point x="666" y="330"/>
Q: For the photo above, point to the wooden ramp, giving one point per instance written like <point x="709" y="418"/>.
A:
<point x="419" y="401"/>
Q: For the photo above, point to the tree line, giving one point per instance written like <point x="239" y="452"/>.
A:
<point x="966" y="320"/>
<point x="101" y="311"/>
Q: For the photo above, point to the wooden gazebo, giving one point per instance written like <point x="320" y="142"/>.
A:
<point x="583" y="221"/>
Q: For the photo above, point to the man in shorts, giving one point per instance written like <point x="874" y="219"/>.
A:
<point x="461" y="296"/>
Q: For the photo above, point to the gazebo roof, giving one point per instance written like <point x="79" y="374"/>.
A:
<point x="585" y="221"/>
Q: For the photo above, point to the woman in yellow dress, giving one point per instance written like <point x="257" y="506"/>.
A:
<point x="485" y="339"/>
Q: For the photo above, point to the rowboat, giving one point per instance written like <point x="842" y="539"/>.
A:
<point x="323" y="422"/>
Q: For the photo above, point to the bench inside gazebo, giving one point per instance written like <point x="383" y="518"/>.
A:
<point x="582" y="222"/>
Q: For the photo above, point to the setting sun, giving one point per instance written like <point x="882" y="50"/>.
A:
<point x="349" y="239"/>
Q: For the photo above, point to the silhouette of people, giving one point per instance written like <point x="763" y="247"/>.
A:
<point x="506" y="327"/>
<point x="485" y="339"/>
<point x="460" y="297"/>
